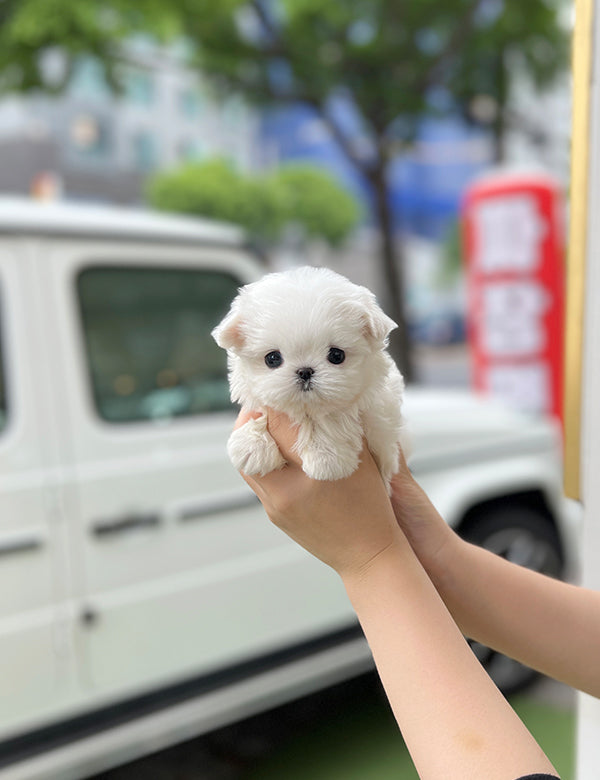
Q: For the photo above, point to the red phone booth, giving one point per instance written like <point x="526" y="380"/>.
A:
<point x="514" y="248"/>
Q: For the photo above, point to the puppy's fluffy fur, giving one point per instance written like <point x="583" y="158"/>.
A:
<point x="311" y="344"/>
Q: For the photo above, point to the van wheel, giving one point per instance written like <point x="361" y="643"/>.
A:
<point x="526" y="537"/>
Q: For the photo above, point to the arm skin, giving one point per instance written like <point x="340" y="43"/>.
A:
<point x="549" y="625"/>
<point x="454" y="720"/>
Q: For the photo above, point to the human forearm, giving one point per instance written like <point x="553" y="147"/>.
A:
<point x="549" y="625"/>
<point x="552" y="626"/>
<point x="431" y="677"/>
<point x="454" y="720"/>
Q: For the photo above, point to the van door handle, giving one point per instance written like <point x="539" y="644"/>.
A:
<point x="130" y="522"/>
<point x="217" y="505"/>
<point x="20" y="542"/>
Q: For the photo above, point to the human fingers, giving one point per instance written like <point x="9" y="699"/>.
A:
<point x="244" y="416"/>
<point x="254" y="486"/>
<point x="280" y="428"/>
<point x="285" y="433"/>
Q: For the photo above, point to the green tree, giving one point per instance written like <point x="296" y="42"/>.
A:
<point x="315" y="201"/>
<point x="396" y="60"/>
<point x="391" y="59"/>
<point x="265" y="205"/>
<point x="215" y="189"/>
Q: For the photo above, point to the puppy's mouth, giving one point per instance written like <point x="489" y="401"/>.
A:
<point x="305" y="385"/>
<point x="304" y="379"/>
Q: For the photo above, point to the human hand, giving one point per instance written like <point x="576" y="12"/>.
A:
<point x="346" y="523"/>
<point x="430" y="537"/>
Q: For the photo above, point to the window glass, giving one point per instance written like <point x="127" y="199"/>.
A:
<point x="139" y="87"/>
<point x="144" y="151"/>
<point x="190" y="103"/>
<point x="233" y="112"/>
<point x="147" y="335"/>
<point x="88" y="79"/>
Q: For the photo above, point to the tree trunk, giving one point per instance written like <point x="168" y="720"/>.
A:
<point x="391" y="257"/>
<point x="499" y="126"/>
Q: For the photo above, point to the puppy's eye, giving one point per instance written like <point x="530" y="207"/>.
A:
<point x="274" y="359"/>
<point x="336" y="356"/>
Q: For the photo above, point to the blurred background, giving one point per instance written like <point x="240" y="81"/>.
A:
<point x="340" y="133"/>
<point x="336" y="132"/>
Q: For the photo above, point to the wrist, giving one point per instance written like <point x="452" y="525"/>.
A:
<point x="363" y="581"/>
<point x="432" y="540"/>
<point x="446" y="563"/>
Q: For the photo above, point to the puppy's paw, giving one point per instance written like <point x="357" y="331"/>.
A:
<point x="252" y="449"/>
<point x="387" y="481"/>
<point x="388" y="465"/>
<point x="327" y="466"/>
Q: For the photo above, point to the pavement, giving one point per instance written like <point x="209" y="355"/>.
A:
<point x="231" y="753"/>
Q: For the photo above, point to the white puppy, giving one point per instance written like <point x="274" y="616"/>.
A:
<point x="311" y="344"/>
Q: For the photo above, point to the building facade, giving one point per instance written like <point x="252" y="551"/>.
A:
<point x="95" y="144"/>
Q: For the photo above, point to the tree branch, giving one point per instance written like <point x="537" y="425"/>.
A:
<point x="339" y="136"/>
<point x="266" y="21"/>
<point x="278" y="41"/>
<point x="461" y="32"/>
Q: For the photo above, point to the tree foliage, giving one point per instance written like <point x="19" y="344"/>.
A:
<point x="391" y="57"/>
<point x="298" y="195"/>
<point x="394" y="61"/>
<point x="315" y="202"/>
<point x="31" y="30"/>
<point x="397" y="61"/>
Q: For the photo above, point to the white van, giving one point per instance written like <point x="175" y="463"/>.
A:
<point x="144" y="598"/>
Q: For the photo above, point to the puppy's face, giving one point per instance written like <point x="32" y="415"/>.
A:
<point x="286" y="364"/>
<point x="302" y="340"/>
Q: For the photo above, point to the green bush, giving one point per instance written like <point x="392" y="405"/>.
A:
<point x="299" y="195"/>
<point x="317" y="203"/>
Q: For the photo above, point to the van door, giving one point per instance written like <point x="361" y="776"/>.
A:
<point x="37" y="676"/>
<point x="180" y="572"/>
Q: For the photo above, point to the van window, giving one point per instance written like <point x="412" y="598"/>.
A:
<point x="147" y="337"/>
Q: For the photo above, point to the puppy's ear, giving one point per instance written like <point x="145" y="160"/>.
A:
<point x="228" y="333"/>
<point x="378" y="324"/>
<point x="375" y="322"/>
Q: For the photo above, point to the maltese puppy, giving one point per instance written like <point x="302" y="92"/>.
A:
<point x="310" y="343"/>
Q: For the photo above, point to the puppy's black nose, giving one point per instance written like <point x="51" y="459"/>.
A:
<point x="305" y="373"/>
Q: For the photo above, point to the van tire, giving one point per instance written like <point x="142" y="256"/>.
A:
<point x="524" y="536"/>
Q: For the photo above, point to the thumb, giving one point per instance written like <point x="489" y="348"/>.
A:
<point x="244" y="416"/>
